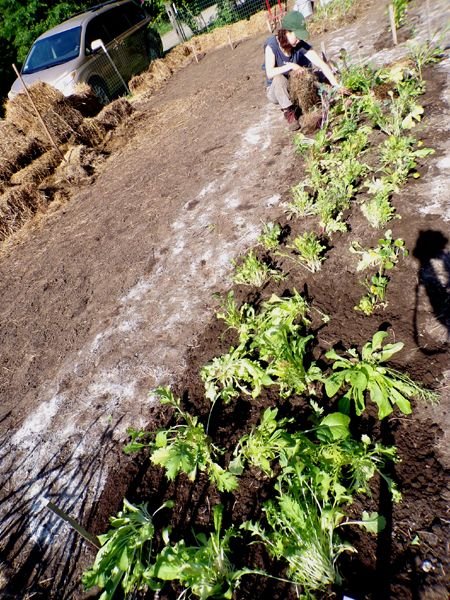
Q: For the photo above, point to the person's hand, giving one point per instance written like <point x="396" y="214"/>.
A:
<point x="294" y="66"/>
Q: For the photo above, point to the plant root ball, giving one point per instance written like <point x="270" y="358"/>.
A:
<point x="310" y="122"/>
<point x="303" y="90"/>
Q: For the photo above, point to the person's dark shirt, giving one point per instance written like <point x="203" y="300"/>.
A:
<point x="297" y="56"/>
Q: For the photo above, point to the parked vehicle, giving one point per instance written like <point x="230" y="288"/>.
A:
<point x="65" y="56"/>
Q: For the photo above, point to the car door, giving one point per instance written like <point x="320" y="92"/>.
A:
<point x="128" y="23"/>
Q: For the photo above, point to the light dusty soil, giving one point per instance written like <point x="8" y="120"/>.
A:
<point x="105" y="300"/>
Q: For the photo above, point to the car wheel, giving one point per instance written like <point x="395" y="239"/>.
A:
<point x="99" y="89"/>
<point x="154" y="44"/>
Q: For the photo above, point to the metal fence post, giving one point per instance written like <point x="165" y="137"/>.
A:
<point x="171" y="13"/>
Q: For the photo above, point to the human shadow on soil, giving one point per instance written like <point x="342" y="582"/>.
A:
<point x="39" y="551"/>
<point x="434" y="278"/>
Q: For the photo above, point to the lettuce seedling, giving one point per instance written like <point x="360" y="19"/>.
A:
<point x="125" y="553"/>
<point x="366" y="375"/>
<point x="183" y="448"/>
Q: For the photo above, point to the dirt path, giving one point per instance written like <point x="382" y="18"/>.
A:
<point x="105" y="300"/>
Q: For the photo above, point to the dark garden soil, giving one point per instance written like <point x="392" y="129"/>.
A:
<point x="112" y="296"/>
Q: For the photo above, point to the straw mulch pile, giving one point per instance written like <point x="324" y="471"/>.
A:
<point x="17" y="206"/>
<point x="39" y="169"/>
<point x="61" y="119"/>
<point x="92" y="131"/>
<point x="16" y="150"/>
<point x="79" y="129"/>
<point x="85" y="101"/>
<point x="77" y="167"/>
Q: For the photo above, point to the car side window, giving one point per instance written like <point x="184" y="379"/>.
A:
<point x="97" y="29"/>
<point x="116" y="21"/>
<point x="135" y="14"/>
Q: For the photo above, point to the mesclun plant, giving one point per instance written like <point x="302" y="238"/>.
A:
<point x="125" y="553"/>
<point x="425" y="53"/>
<point x="263" y="444"/>
<point x="205" y="570"/>
<point x="379" y="210"/>
<point x="383" y="257"/>
<point x="308" y="251"/>
<point x="302" y="203"/>
<point x="227" y="376"/>
<point x="316" y="482"/>
<point x="183" y="448"/>
<point x="233" y="316"/>
<point x="398" y="157"/>
<point x="254" y="272"/>
<point x="270" y="236"/>
<point x="375" y="297"/>
<point x="295" y="533"/>
<point x="367" y="376"/>
<point x="400" y="9"/>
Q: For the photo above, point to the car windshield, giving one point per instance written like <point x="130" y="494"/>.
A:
<point x="53" y="50"/>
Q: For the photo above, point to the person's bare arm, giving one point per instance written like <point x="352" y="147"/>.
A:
<point x="272" y="70"/>
<point x="315" y="59"/>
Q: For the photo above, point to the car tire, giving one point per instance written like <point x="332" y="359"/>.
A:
<point x="154" y="44"/>
<point x="99" y="88"/>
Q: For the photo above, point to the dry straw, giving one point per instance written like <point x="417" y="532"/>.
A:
<point x="16" y="150"/>
<point x="17" y="206"/>
<point x="59" y="116"/>
<point x="38" y="170"/>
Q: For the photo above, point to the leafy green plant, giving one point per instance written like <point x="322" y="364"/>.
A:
<point x="295" y="533"/>
<point x="399" y="157"/>
<point x="383" y="257"/>
<point x="375" y="297"/>
<point x="302" y="203"/>
<point x="270" y="236"/>
<point x="317" y="480"/>
<point x="227" y="376"/>
<point x="254" y="272"/>
<point x="263" y="444"/>
<point x="205" y="570"/>
<point x="234" y="317"/>
<point x="125" y="553"/>
<point x="367" y="376"/>
<point x="379" y="210"/>
<point x="308" y="251"/>
<point x="426" y="53"/>
<point x="400" y="9"/>
<point x="183" y="448"/>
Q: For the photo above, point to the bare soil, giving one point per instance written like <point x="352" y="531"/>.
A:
<point x="113" y="294"/>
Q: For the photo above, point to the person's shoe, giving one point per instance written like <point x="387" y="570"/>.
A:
<point x="289" y="115"/>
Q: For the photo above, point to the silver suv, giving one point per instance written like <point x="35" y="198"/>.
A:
<point x="65" y="56"/>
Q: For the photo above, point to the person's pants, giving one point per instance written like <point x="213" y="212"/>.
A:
<point x="278" y="92"/>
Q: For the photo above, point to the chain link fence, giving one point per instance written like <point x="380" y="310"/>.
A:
<point x="201" y="15"/>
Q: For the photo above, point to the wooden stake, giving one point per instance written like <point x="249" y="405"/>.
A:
<point x="428" y="20"/>
<point x="50" y="137"/>
<point x="194" y="52"/>
<point x="229" y="39"/>
<point x="68" y="519"/>
<point x="393" y="27"/>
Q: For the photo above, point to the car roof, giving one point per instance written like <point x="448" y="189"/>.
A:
<point x="81" y="18"/>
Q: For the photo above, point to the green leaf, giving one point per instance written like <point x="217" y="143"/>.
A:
<point x="373" y="522"/>
<point x="377" y="340"/>
<point x="333" y="384"/>
<point x="379" y="396"/>
<point x="337" y="424"/>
